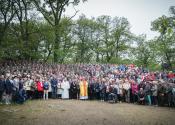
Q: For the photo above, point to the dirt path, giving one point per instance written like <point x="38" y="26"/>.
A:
<point x="74" y="112"/>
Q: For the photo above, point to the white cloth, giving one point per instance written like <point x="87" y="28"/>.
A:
<point x="50" y="87"/>
<point x="126" y="86"/>
<point x="117" y="87"/>
<point x="120" y="88"/>
<point x="27" y="85"/>
<point x="59" y="89"/>
<point x="16" y="83"/>
<point x="65" y="86"/>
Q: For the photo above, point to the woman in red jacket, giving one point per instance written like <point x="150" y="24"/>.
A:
<point x="134" y="91"/>
<point x="171" y="76"/>
<point x="40" y="89"/>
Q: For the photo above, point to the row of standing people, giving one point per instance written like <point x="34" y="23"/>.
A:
<point x="15" y="89"/>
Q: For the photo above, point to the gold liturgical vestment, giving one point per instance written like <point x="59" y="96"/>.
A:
<point x="83" y="89"/>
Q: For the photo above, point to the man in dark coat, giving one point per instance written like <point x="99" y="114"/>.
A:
<point x="21" y="96"/>
<point x="97" y="90"/>
<point x="54" y="83"/>
<point x="73" y="90"/>
<point x="91" y="90"/>
<point x="102" y="91"/>
<point x="2" y="87"/>
<point x="8" y="89"/>
<point x="78" y="90"/>
<point x="15" y="88"/>
<point x="161" y="94"/>
<point x="169" y="95"/>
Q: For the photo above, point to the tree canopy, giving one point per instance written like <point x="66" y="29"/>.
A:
<point x="37" y="30"/>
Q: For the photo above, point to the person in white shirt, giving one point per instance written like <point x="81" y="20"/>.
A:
<point x="59" y="89"/>
<point x="127" y="87"/>
<point x="27" y="87"/>
<point x="120" y="95"/>
<point x="65" y="86"/>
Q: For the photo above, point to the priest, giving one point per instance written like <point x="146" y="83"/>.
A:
<point x="83" y="89"/>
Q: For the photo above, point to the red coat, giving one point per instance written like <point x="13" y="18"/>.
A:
<point x="132" y="65"/>
<point x="134" y="88"/>
<point x="151" y="77"/>
<point x="171" y="75"/>
<point x="39" y="86"/>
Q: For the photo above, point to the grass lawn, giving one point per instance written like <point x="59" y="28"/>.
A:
<point x="76" y="112"/>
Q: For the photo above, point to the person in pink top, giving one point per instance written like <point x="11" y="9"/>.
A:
<point x="134" y="90"/>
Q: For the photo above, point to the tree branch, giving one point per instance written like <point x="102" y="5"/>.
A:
<point x="76" y="11"/>
<point x="52" y="9"/>
<point x="42" y="10"/>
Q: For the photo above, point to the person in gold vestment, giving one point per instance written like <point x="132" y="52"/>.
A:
<point x="83" y="89"/>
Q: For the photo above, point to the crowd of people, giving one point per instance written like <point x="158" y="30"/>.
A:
<point x="24" y="80"/>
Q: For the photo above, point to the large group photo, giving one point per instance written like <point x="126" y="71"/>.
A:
<point x="21" y="81"/>
<point x="87" y="62"/>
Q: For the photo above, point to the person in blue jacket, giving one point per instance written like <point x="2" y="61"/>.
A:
<point x="54" y="83"/>
<point x="21" y="96"/>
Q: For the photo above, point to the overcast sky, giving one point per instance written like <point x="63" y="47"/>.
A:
<point x="140" y="13"/>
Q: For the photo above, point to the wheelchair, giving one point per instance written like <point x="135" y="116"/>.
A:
<point x="112" y="98"/>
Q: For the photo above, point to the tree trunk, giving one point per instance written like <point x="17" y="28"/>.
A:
<point x="56" y="44"/>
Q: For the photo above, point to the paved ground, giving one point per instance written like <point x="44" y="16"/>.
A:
<point x="74" y="112"/>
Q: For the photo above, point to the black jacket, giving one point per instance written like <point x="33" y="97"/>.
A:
<point x="2" y="85"/>
<point x="54" y="82"/>
<point x="8" y="86"/>
<point x="73" y="88"/>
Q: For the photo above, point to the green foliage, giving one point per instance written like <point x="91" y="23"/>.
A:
<point x="119" y="60"/>
<point x="98" y="40"/>
<point x="143" y="55"/>
<point x="154" y="66"/>
<point x="164" y="45"/>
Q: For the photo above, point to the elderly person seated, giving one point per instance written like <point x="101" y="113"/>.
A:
<point x="141" y="96"/>
<point x="112" y="97"/>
